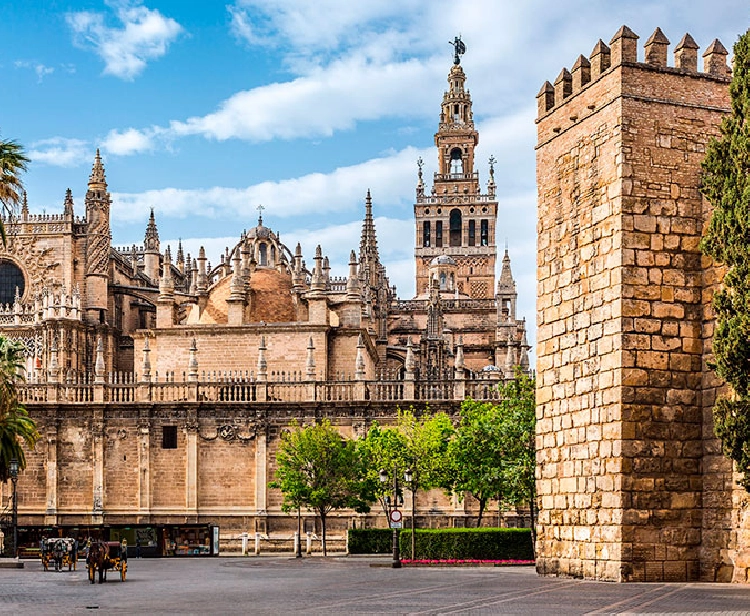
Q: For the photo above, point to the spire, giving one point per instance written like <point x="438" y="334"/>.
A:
<point x="506" y="282"/>
<point x="151" y="240"/>
<point x="180" y="254"/>
<point x="98" y="179"/>
<point x="353" y="289"/>
<point x="25" y="206"/>
<point x="420" y="180"/>
<point x="368" y="246"/>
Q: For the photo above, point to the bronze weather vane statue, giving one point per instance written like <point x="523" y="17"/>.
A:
<point x="459" y="49"/>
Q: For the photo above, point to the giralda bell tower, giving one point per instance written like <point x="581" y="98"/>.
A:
<point x="456" y="220"/>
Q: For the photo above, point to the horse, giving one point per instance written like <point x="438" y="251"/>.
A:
<point x="98" y="560"/>
<point x="59" y="548"/>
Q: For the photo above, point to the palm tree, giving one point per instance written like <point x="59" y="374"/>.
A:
<point x="16" y="427"/>
<point x="12" y="162"/>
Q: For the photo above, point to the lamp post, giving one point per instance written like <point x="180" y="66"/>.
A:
<point x="408" y="478"/>
<point x="394" y="515"/>
<point x="298" y="553"/>
<point x="13" y="470"/>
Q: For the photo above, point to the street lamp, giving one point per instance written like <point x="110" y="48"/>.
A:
<point x="392" y="507"/>
<point x="408" y="477"/>
<point x="13" y="470"/>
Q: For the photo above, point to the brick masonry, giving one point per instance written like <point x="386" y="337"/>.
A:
<point x="632" y="483"/>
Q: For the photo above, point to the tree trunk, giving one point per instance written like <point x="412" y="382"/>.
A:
<point x="413" y="523"/>
<point x="482" y="503"/>
<point x="323" y="526"/>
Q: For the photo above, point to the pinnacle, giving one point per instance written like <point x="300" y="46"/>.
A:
<point x="687" y="42"/>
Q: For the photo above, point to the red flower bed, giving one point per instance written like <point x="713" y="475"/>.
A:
<point x="458" y="562"/>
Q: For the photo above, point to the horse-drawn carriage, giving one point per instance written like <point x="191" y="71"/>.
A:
<point x="104" y="555"/>
<point x="59" y="553"/>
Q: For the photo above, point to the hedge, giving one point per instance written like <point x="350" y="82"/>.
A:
<point x="448" y="543"/>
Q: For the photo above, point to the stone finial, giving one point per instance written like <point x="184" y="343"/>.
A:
<point x="146" y="366"/>
<point x="353" y="289"/>
<point x="601" y="58"/>
<point x="563" y="86"/>
<point x="545" y="100"/>
<point x="686" y="54"/>
<point x="193" y="361"/>
<point x="67" y="204"/>
<point x="656" y="48"/>
<point x="54" y="367"/>
<point x="99" y="366"/>
<point x="359" y="373"/>
<point x="166" y="284"/>
<point x="201" y="284"/>
<point x="715" y="59"/>
<point x="624" y="46"/>
<point x="409" y="362"/>
<point x="25" y="206"/>
<point x="580" y="73"/>
<point x="310" y="364"/>
<point x="262" y="365"/>
<point x="459" y="362"/>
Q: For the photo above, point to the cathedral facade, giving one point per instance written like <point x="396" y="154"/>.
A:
<point x="160" y="382"/>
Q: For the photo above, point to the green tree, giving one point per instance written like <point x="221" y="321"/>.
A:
<point x="517" y="427"/>
<point x="12" y="162"/>
<point x="316" y="467"/>
<point x="426" y="438"/>
<point x="476" y="454"/>
<point x="383" y="449"/>
<point x="16" y="427"/>
<point x="726" y="184"/>
<point x="493" y="453"/>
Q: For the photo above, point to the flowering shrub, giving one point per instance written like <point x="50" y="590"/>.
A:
<point x="462" y="561"/>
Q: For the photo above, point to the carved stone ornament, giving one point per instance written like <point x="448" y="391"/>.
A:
<point x="230" y="433"/>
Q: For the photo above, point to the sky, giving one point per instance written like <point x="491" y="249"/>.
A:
<point x="207" y="110"/>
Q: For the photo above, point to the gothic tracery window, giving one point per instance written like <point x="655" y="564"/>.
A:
<point x="11" y="278"/>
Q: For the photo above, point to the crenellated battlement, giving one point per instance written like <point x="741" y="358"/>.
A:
<point x="623" y="51"/>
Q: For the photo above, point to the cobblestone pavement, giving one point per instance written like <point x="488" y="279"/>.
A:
<point x="283" y="585"/>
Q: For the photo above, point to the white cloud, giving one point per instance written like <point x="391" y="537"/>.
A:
<point x="130" y="141"/>
<point x="392" y="179"/>
<point x="60" y="152"/>
<point x="40" y="69"/>
<point x="145" y="34"/>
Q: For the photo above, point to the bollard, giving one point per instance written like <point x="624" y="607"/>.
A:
<point x="296" y="542"/>
<point x="309" y="542"/>
<point x="244" y="543"/>
<point x="257" y="543"/>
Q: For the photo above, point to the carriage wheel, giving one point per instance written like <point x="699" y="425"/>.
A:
<point x="92" y="574"/>
<point x="123" y="570"/>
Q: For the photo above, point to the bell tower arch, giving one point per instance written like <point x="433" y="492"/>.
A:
<point x="457" y="219"/>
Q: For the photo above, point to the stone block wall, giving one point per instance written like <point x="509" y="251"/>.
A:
<point x="623" y="422"/>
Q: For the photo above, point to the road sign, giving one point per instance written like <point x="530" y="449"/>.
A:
<point x="396" y="515"/>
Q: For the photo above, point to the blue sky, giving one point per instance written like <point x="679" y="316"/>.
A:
<point x="206" y="110"/>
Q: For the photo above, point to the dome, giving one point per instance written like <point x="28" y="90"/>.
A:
<point x="259" y="232"/>
<point x="443" y="260"/>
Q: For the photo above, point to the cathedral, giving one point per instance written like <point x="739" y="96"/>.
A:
<point x="132" y="352"/>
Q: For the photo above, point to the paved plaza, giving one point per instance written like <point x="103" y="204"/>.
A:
<point x="283" y="585"/>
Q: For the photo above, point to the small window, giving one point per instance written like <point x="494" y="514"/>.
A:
<point x="472" y="232"/>
<point x="485" y="232"/>
<point x="455" y="227"/>
<point x="169" y="437"/>
<point x="439" y="234"/>
<point x="457" y="162"/>
<point x="263" y="255"/>
<point x="426" y="233"/>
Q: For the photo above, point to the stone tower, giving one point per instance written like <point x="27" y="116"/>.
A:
<point x="457" y="220"/>
<point x="627" y="478"/>
<point x="98" y="240"/>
